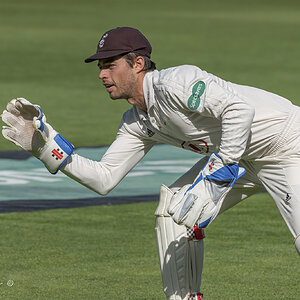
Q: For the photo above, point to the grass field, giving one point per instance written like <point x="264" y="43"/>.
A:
<point x="109" y="252"/>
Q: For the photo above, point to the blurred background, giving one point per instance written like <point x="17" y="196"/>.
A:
<point x="43" y="45"/>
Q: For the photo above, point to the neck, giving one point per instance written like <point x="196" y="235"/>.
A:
<point x="138" y="96"/>
<point x="140" y="103"/>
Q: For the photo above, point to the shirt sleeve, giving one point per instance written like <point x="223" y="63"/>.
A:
<point x="124" y="153"/>
<point x="211" y="97"/>
<point x="236" y="117"/>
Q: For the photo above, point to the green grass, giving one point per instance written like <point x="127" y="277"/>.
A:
<point x="108" y="252"/>
<point x="44" y="43"/>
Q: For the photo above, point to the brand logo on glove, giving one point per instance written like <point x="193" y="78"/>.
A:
<point x="57" y="154"/>
<point x="211" y="164"/>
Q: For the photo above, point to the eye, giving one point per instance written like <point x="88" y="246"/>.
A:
<point x="106" y="66"/>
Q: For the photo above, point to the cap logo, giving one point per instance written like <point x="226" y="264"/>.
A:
<point x="101" y="43"/>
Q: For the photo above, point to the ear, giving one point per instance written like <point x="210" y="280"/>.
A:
<point x="139" y="64"/>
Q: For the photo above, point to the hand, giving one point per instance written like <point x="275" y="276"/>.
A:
<point x="19" y="116"/>
<point x="199" y="203"/>
<point x="27" y="128"/>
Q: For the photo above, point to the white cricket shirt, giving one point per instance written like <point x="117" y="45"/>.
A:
<point x="194" y="110"/>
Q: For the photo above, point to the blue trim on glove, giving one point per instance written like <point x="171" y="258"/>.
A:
<point x="226" y="173"/>
<point x="204" y="224"/>
<point x="42" y="125"/>
<point x="66" y="146"/>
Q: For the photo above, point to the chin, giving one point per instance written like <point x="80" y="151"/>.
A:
<point x="116" y="97"/>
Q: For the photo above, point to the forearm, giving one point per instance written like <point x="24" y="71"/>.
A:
<point x="92" y="174"/>
<point x="236" y="129"/>
<point x="236" y="116"/>
<point x="102" y="176"/>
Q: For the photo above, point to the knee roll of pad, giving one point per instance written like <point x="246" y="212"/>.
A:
<point x="297" y="244"/>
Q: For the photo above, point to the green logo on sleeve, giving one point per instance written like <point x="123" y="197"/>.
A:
<point x="194" y="100"/>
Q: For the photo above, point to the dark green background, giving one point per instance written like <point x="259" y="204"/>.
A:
<point x="44" y="43"/>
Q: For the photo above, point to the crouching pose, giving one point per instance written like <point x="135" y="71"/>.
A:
<point x="248" y="138"/>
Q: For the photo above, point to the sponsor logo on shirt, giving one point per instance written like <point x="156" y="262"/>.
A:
<point x="199" y="146"/>
<point x="197" y="92"/>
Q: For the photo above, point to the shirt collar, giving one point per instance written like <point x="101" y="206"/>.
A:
<point x="148" y="92"/>
<point x="148" y="89"/>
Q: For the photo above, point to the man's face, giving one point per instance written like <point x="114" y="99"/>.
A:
<point x="118" y="77"/>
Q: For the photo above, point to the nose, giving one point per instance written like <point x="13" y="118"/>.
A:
<point x="102" y="74"/>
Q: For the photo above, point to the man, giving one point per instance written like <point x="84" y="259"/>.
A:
<point x="250" y="139"/>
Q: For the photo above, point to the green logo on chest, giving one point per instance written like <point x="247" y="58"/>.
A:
<point x="194" y="100"/>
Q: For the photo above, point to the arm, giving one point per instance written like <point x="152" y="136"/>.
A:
<point x="212" y="97"/>
<point x="199" y="92"/>
<point x="28" y="129"/>
<point x="123" y="154"/>
<point x="236" y="117"/>
<point x="204" y="94"/>
<point x="200" y="202"/>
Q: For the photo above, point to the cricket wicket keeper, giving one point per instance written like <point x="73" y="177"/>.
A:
<point x="249" y="137"/>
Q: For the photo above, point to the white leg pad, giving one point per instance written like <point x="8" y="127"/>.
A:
<point x="180" y="253"/>
<point x="297" y="243"/>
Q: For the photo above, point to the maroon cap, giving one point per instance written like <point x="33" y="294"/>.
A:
<point x="121" y="40"/>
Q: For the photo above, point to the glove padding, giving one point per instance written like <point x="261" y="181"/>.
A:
<point x="27" y="128"/>
<point x="199" y="203"/>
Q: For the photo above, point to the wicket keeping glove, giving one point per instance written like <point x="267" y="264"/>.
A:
<point x="199" y="203"/>
<point x="28" y="129"/>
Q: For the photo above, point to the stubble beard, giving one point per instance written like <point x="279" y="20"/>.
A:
<point x="126" y="92"/>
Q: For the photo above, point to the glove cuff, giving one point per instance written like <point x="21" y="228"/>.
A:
<point x="57" y="152"/>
